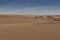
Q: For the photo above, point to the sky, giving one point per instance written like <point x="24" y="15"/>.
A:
<point x="30" y="7"/>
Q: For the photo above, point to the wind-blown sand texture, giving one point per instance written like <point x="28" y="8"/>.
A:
<point x="19" y="27"/>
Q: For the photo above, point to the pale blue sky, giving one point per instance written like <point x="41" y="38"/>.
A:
<point x="33" y="7"/>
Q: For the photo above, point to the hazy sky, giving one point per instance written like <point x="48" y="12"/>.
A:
<point x="35" y="7"/>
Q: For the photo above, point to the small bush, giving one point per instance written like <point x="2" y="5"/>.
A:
<point x="36" y="17"/>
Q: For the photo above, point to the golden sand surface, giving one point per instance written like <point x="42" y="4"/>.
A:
<point x="18" y="27"/>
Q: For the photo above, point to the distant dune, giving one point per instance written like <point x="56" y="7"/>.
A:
<point x="24" y="27"/>
<point x="22" y="18"/>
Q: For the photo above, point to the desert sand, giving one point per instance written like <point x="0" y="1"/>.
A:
<point x="20" y="27"/>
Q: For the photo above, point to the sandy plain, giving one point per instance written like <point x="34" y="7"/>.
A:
<point x="20" y="27"/>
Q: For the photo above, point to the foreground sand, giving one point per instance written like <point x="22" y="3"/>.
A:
<point x="28" y="28"/>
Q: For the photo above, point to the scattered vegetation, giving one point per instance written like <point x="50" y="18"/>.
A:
<point x="36" y="17"/>
<point x="58" y="15"/>
<point x="41" y="17"/>
<point x="56" y="19"/>
<point x="50" y="17"/>
<point x="6" y="16"/>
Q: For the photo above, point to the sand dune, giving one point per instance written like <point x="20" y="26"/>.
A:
<point x="19" y="27"/>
